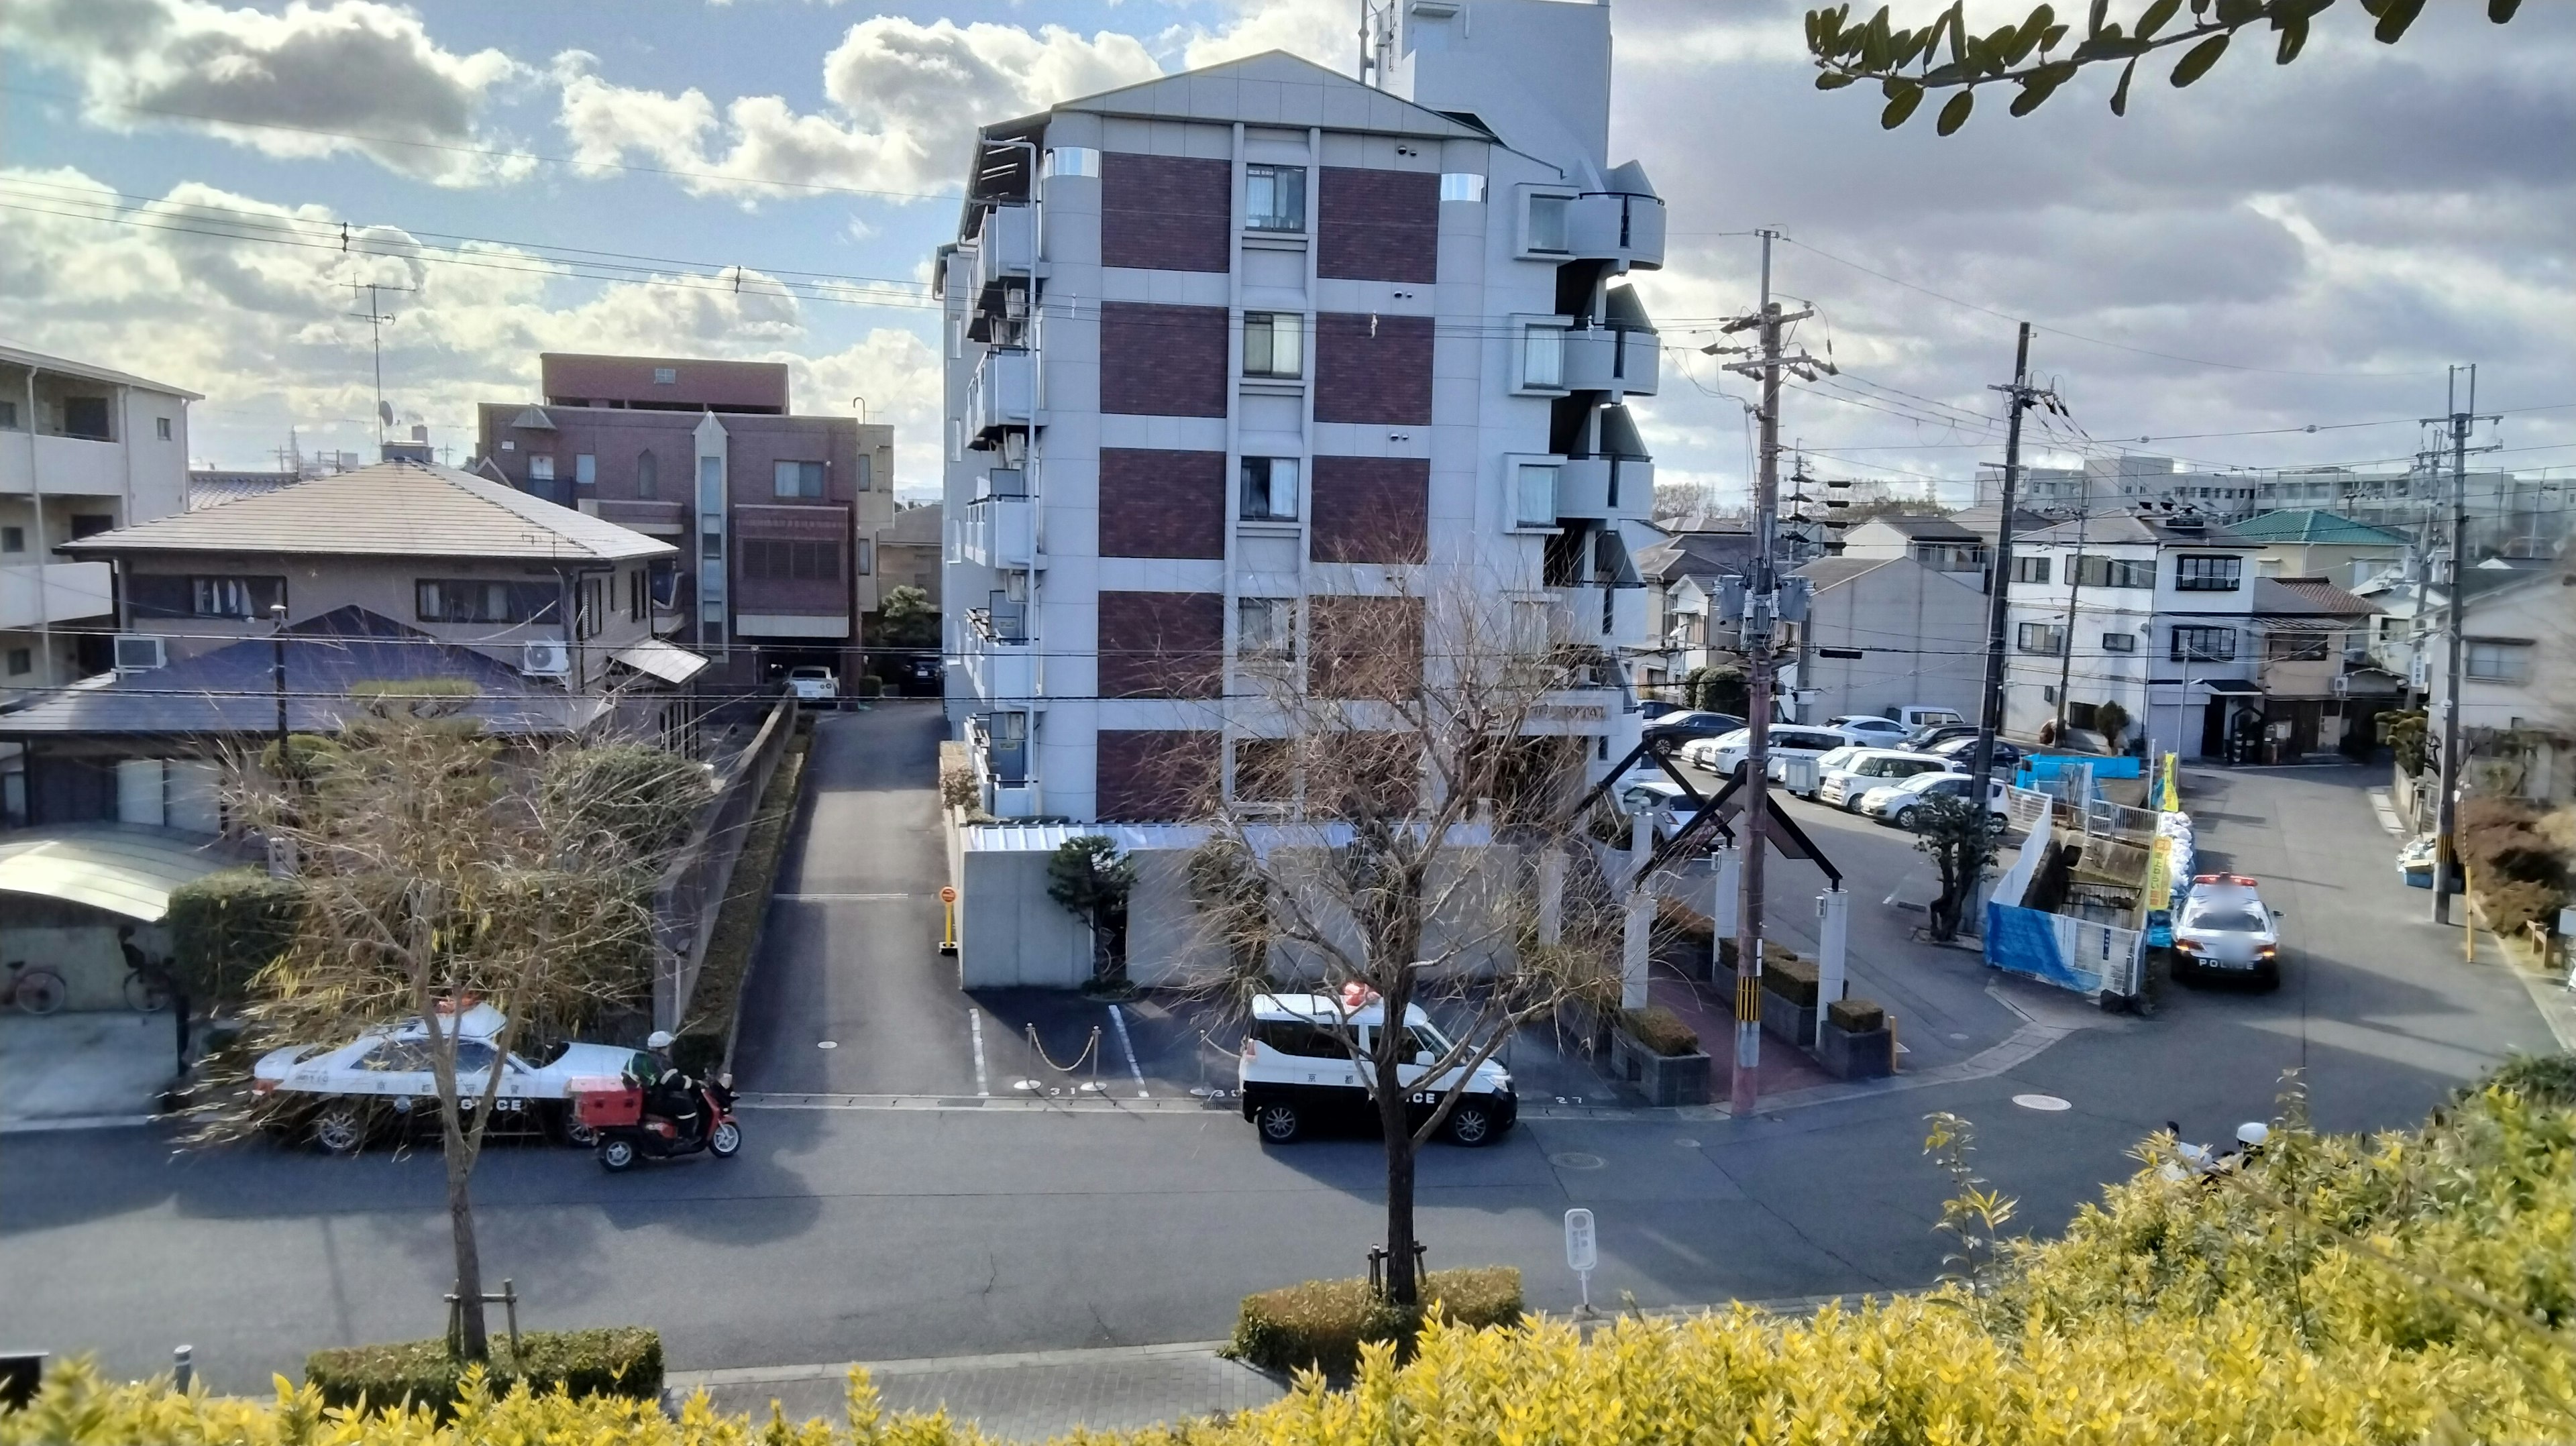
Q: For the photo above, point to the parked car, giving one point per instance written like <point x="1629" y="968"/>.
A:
<point x="921" y="677"/>
<point x="1917" y="715"/>
<point x="1933" y="735"/>
<point x="2223" y="928"/>
<point x="1647" y="789"/>
<point x="1297" y="1070"/>
<point x="1651" y="709"/>
<point x="337" y="1098"/>
<point x="814" y="685"/>
<point x="1842" y="781"/>
<point x="1962" y="752"/>
<point x="1724" y="756"/>
<point x="1681" y="728"/>
<point x="1869" y="730"/>
<point x="1901" y="803"/>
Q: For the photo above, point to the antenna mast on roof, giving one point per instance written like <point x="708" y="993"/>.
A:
<point x="375" y="318"/>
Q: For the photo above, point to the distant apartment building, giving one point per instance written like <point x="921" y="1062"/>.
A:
<point x="774" y="515"/>
<point x="83" y="450"/>
<point x="1236" y="353"/>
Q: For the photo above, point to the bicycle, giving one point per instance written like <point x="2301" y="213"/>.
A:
<point x="36" y="991"/>
<point x="148" y="989"/>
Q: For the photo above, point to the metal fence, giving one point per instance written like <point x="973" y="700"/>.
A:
<point x="692" y="890"/>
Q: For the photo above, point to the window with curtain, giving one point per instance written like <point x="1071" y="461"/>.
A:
<point x="1269" y="489"/>
<point x="1274" y="198"/>
<point x="1543" y="356"/>
<point x="1273" y="344"/>
<point x="1534" y="494"/>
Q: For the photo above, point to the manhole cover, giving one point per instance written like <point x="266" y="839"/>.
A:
<point x="1577" y="1161"/>
<point x="2050" y="1103"/>
<point x="827" y="1044"/>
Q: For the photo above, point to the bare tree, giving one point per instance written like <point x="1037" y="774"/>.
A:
<point x="440" y="869"/>
<point x="1394" y="785"/>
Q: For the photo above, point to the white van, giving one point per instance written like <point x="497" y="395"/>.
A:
<point x="1298" y="1070"/>
<point x="1915" y="715"/>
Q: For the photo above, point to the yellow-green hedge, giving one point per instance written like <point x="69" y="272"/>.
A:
<point x="619" y="1361"/>
<point x="2346" y="1291"/>
<point x="1323" y="1324"/>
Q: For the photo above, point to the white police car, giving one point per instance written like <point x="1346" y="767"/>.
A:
<point x="2223" y="928"/>
<point x="1299" y="1070"/>
<point x="383" y="1083"/>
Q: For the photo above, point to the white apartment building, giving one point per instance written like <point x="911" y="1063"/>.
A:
<point x="2117" y="484"/>
<point x="2155" y="613"/>
<point x="83" y="450"/>
<point x="1233" y="352"/>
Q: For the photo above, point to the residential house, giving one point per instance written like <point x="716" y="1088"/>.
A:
<point x="2309" y="542"/>
<point x="2153" y="611"/>
<point x="1933" y="539"/>
<point x="1685" y="625"/>
<point x="775" y="514"/>
<point x="2518" y="679"/>
<point x="1286" y="348"/>
<point x="83" y="450"/>
<point x="910" y="550"/>
<point x="1885" y="632"/>
<point x="215" y="486"/>
<point x="2320" y="694"/>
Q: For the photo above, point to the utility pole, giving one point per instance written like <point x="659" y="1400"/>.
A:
<point x="2447" y="804"/>
<point x="1990" y="719"/>
<point x="375" y="318"/>
<point x="2074" y="597"/>
<point x="1761" y="614"/>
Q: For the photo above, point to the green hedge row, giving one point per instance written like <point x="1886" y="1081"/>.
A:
<point x="226" y="927"/>
<point x="1322" y="1324"/>
<point x="618" y="1361"/>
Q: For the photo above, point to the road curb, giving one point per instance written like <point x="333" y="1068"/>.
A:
<point x="76" y="1122"/>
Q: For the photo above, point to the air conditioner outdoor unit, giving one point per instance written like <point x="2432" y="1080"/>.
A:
<point x="139" y="652"/>
<point x="545" y="660"/>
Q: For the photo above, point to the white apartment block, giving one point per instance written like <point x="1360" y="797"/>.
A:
<point x="83" y="450"/>
<point x="1232" y="352"/>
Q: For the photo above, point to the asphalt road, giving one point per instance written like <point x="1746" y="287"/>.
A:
<point x="873" y="1233"/>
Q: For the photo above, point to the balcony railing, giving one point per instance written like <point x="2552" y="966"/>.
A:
<point x="1612" y="359"/>
<point x="1003" y="392"/>
<point x="1617" y="226"/>
<point x="1000" y="531"/>
<point x="1603" y="489"/>
<point x="39" y="594"/>
<point x="64" y="466"/>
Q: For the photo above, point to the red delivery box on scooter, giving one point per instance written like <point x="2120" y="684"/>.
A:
<point x="607" y="1101"/>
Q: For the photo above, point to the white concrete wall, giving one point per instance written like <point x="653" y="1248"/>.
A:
<point x="1921" y="634"/>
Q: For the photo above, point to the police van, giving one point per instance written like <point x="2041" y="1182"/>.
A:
<point x="1298" y="1070"/>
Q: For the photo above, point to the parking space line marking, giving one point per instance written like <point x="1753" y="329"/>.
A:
<point x="1118" y="1022"/>
<point x="983" y="1083"/>
<point x="843" y="898"/>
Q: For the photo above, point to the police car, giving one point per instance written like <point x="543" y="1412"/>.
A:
<point x="1298" y="1070"/>
<point x="2223" y="928"/>
<point x="384" y="1083"/>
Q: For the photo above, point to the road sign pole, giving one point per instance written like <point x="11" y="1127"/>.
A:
<point x="1582" y="1253"/>
<point x="948" y="907"/>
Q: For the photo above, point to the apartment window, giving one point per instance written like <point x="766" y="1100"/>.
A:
<point x="1269" y="489"/>
<point x="2044" y="638"/>
<point x="1274" y="198"/>
<point x="1273" y="344"/>
<point x="1534" y="494"/>
<point x="161" y="428"/>
<point x="2030" y="569"/>
<point x="866" y="552"/>
<point x="785" y="560"/>
<point x="2207" y="572"/>
<point x="1073" y="161"/>
<point x="2119" y="642"/>
<point x="2203" y="644"/>
<point x="1547" y="222"/>
<point x="711" y="489"/>
<point x="2497" y="660"/>
<point x="585" y="470"/>
<point x="648" y="474"/>
<point x="541" y="467"/>
<point x="798" y="479"/>
<point x="13" y="539"/>
<point x="2295" y="647"/>
<point x="9" y="417"/>
<point x="710" y="544"/>
<point x="22" y="661"/>
<point x="587" y="609"/>
<point x="1462" y="186"/>
<point x="666" y="376"/>
<point x="444" y="600"/>
<point x="1543" y="357"/>
<point x="234" y="597"/>
<point x="2096" y="571"/>
<point x="1266" y="627"/>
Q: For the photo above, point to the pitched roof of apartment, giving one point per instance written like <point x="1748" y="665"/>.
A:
<point x="2307" y="597"/>
<point x="2313" y="525"/>
<point x="1923" y="526"/>
<point x="392" y="509"/>
<point x="15" y="356"/>
<point x="913" y="526"/>
<point x="1275" y="88"/>
<point x="2130" y="527"/>
<point x="1981" y="519"/>
<point x="1827" y="572"/>
<point x="232" y="690"/>
<point x="1695" y="554"/>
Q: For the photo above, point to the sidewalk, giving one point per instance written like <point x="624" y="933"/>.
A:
<point x="83" y="1070"/>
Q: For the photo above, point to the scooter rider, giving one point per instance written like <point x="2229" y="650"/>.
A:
<point x="672" y="1094"/>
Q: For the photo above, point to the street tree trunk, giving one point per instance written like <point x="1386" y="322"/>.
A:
<point x="1402" y="1288"/>
<point x="473" y="1341"/>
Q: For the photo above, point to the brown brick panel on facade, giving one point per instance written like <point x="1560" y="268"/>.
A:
<point x="1378" y="225"/>
<point x="1373" y="369"/>
<point x="1364" y="647"/>
<point x="1169" y="361"/>
<point x="1166" y="213"/>
<point x="1372" y="509"/>
<point x="1162" y="644"/>
<point x="1158" y="775"/>
<point x="1161" y="504"/>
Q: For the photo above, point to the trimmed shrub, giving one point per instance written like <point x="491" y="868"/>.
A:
<point x="1792" y="978"/>
<point x="1322" y="1324"/>
<point x="1661" y="1031"/>
<point x="226" y="927"/>
<point x="619" y="1361"/>
<point x="871" y="686"/>
<point x="1856" y="1015"/>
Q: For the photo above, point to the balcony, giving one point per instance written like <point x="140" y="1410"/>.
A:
<point x="1617" y="226"/>
<point x="1002" y="394"/>
<point x="41" y="594"/>
<point x="74" y="466"/>
<point x="1006" y="249"/>
<point x="1002" y="768"/>
<point x="1612" y="359"/>
<point x="1601" y="489"/>
<point x="1000" y="527"/>
<point x="1001" y="660"/>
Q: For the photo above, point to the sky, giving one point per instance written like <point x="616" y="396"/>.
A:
<point x="2272" y="268"/>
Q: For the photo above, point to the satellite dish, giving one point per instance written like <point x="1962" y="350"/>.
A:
<point x="385" y="413"/>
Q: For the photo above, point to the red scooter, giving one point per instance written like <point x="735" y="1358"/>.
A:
<point x="614" y="1110"/>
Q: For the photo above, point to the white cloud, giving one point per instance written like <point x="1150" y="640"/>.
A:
<point x="281" y="84"/>
<point x="903" y="97"/>
<point x="1323" y="31"/>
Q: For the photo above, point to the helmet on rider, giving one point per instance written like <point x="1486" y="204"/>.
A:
<point x="658" y="1040"/>
<point x="2252" y="1134"/>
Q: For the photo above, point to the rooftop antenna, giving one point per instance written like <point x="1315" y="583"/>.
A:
<point x="375" y="317"/>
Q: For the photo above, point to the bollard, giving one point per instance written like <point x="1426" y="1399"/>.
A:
<point x="183" y="1368"/>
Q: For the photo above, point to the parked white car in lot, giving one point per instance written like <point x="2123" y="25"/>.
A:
<point x="339" y="1097"/>
<point x="1869" y="730"/>
<point x="1845" y="775"/>
<point x="2223" y="928"/>
<point x="1901" y="803"/>
<point x="1724" y="755"/>
<point x="814" y="685"/>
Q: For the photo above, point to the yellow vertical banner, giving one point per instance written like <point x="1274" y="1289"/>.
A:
<point x="2160" y="874"/>
<point x="2169" y="799"/>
